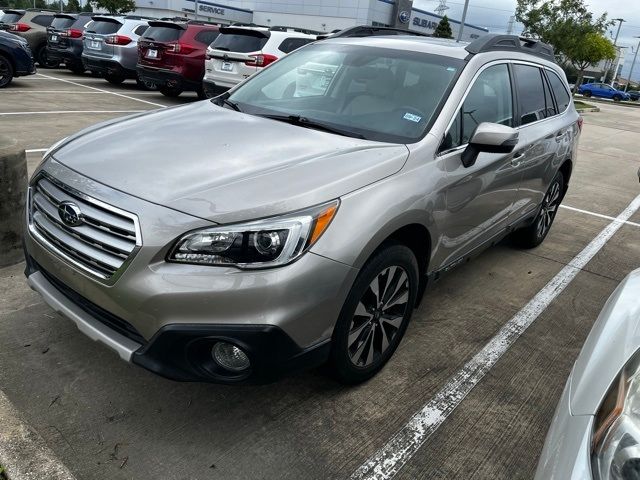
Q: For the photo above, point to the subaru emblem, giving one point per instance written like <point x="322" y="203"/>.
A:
<point x="70" y="214"/>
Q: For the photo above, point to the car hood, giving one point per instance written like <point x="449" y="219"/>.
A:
<point x="614" y="338"/>
<point x="223" y="165"/>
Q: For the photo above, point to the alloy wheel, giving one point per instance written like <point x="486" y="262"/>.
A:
<point x="378" y="316"/>
<point x="548" y="210"/>
<point x="5" y="72"/>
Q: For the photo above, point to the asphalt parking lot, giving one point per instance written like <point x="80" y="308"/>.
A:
<point x="107" y="419"/>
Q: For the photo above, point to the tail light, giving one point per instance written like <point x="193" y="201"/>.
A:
<point x="72" y="33"/>
<point x="580" y="122"/>
<point x="20" y="27"/>
<point x="117" y="40"/>
<point x="261" y="60"/>
<point x="181" y="48"/>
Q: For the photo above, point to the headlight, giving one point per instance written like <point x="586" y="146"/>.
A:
<point x="264" y="243"/>
<point x="616" y="436"/>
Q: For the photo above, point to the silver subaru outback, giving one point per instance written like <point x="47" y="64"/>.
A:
<point x="297" y="219"/>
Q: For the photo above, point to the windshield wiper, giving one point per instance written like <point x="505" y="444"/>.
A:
<point x="302" y="121"/>
<point x="224" y="100"/>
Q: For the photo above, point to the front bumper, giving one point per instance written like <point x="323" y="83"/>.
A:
<point x="167" y="78"/>
<point x="565" y="455"/>
<point x="162" y="315"/>
<point x="107" y="67"/>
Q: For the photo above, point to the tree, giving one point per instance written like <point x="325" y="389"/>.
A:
<point x="72" y="6"/>
<point x="87" y="7"/>
<point x="592" y="48"/>
<point x="576" y="35"/>
<point x="115" y="7"/>
<point x="443" y="30"/>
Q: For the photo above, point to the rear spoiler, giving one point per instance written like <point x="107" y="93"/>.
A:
<point x="104" y="18"/>
<point x="70" y="16"/>
<point x="165" y="24"/>
<point x="252" y="32"/>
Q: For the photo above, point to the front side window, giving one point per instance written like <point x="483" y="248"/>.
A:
<point x="489" y="100"/>
<point x="534" y="100"/>
<point x="375" y="93"/>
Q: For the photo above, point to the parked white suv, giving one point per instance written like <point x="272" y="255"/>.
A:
<point x="239" y="52"/>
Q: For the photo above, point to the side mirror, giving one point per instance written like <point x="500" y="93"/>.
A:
<point x="490" y="138"/>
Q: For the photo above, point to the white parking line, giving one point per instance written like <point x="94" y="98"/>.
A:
<point x="594" y="214"/>
<point x="73" y="92"/>
<point x="104" y="91"/>
<point x="388" y="461"/>
<point x="36" y="150"/>
<point x="73" y="111"/>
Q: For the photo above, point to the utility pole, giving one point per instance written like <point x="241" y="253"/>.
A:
<point x="633" y="64"/>
<point x="512" y="21"/>
<point x="464" y="19"/>
<point x="442" y="7"/>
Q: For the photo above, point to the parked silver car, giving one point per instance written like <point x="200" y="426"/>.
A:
<point x="110" y="46"/>
<point x="595" y="433"/>
<point x="297" y="218"/>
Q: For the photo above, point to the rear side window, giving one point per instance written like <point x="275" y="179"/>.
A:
<point x="43" y="20"/>
<point x="489" y="100"/>
<point x="163" y="34"/>
<point x="563" y="99"/>
<point x="207" y="36"/>
<point x="236" y="42"/>
<point x="11" y="17"/>
<point x="288" y="45"/>
<point x="534" y="98"/>
<point x="140" y="29"/>
<point x="104" y="27"/>
<point x="61" y="23"/>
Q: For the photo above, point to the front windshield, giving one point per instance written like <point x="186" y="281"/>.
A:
<point x="379" y="94"/>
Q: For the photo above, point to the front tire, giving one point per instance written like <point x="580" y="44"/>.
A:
<point x="375" y="315"/>
<point x="6" y="71"/>
<point x="617" y="98"/>
<point x="587" y="94"/>
<point x="114" y="79"/>
<point x="534" y="234"/>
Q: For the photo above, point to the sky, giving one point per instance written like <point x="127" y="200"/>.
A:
<point x="494" y="14"/>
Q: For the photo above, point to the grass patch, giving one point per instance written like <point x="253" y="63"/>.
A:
<point x="3" y="474"/>
<point x="580" y="104"/>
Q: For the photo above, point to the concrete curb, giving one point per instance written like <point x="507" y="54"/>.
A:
<point x="586" y="110"/>
<point x="23" y="452"/>
<point x="13" y="186"/>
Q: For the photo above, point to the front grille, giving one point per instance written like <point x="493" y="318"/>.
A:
<point x="103" y="241"/>
<point x="115" y="323"/>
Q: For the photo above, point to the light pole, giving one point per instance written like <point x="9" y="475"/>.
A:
<point x="633" y="64"/>
<point x="464" y="19"/>
<point x="615" y="42"/>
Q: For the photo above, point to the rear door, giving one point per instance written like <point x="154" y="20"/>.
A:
<point x="543" y="135"/>
<point x="96" y="34"/>
<point x="234" y="52"/>
<point x="156" y="48"/>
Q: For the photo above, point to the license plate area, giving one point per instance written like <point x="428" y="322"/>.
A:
<point x="54" y="38"/>
<point x="227" y="66"/>
<point x="94" y="44"/>
<point x="152" y="54"/>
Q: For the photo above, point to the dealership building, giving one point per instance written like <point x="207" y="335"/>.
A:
<point x="320" y="15"/>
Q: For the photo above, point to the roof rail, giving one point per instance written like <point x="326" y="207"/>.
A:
<point x="494" y="42"/>
<point x="370" y="31"/>
<point x="282" y="28"/>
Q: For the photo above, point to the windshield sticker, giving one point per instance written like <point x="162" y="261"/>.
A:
<point x="411" y="117"/>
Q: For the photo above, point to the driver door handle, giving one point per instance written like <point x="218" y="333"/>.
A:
<point x="515" y="160"/>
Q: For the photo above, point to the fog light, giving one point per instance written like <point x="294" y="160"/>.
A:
<point x="230" y="357"/>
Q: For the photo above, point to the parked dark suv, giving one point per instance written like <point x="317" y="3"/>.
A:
<point x="15" y="58"/>
<point x="31" y="25"/>
<point x="171" y="55"/>
<point x="64" y="39"/>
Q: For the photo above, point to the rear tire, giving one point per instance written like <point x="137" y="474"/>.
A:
<point x="202" y="94"/>
<point x="6" y="71"/>
<point x="114" y="79"/>
<point x="375" y="315"/>
<point x="43" y="59"/>
<point x="170" y="92"/>
<point x="146" y="85"/>
<point x="77" y="69"/>
<point x="617" y="98"/>
<point x="534" y="234"/>
<point x="587" y="94"/>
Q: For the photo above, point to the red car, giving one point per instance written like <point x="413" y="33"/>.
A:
<point x="171" y="55"/>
